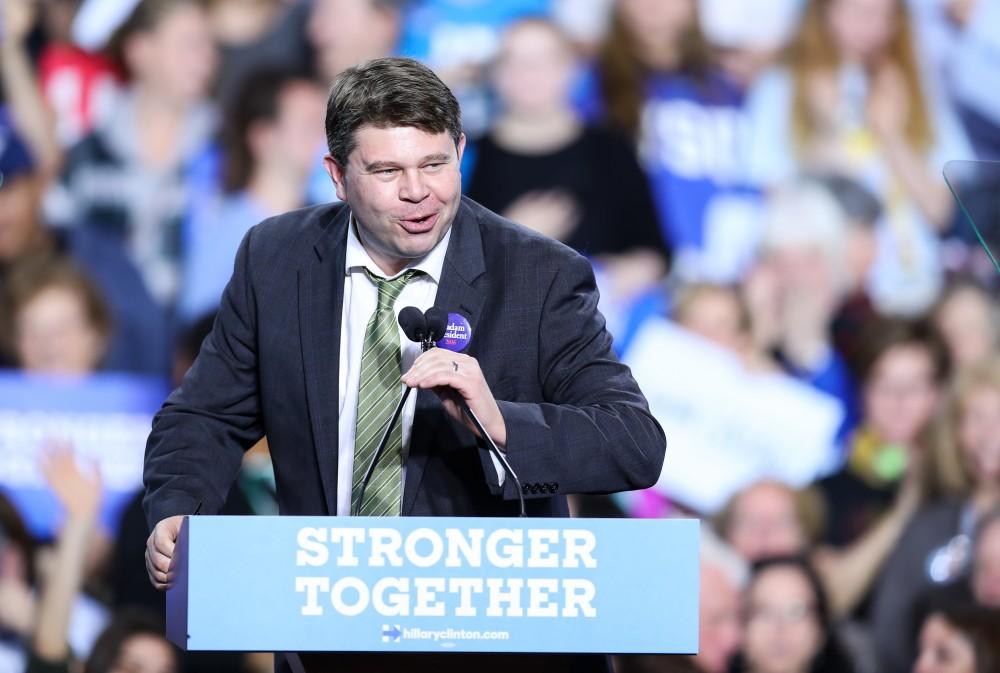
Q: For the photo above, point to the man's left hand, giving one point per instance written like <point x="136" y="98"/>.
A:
<point x="453" y="377"/>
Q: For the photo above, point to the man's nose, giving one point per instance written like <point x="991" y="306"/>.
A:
<point x="412" y="186"/>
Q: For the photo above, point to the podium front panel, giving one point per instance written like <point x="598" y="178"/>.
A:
<point x="414" y="584"/>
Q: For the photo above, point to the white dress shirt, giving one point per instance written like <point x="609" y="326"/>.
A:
<point x="360" y="302"/>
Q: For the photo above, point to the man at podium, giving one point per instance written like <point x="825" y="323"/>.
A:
<point x="307" y="351"/>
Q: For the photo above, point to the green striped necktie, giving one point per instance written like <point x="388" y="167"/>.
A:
<point x="378" y="394"/>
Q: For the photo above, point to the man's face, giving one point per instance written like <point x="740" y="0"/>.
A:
<point x="404" y="187"/>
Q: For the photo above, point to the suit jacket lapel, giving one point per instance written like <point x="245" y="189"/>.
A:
<point x="321" y="301"/>
<point x="456" y="293"/>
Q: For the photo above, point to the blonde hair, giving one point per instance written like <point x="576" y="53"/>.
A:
<point x="622" y="71"/>
<point x="813" y="51"/>
<point x="948" y="474"/>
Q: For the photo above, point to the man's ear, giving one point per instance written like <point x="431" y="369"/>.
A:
<point x="461" y="148"/>
<point x="338" y="174"/>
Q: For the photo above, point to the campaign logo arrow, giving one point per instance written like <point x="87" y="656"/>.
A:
<point x="391" y="633"/>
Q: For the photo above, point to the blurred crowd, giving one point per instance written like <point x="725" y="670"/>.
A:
<point x="767" y="175"/>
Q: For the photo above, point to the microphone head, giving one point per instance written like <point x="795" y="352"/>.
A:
<point x="437" y="322"/>
<point x="413" y="323"/>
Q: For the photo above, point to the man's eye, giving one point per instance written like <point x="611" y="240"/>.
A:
<point x="386" y="171"/>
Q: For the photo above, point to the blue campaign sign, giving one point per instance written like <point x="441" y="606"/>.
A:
<point x="424" y="584"/>
<point x="105" y="418"/>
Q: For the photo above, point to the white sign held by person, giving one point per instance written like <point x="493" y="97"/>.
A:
<point x="726" y="426"/>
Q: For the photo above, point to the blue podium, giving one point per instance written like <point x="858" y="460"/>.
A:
<point x="413" y="584"/>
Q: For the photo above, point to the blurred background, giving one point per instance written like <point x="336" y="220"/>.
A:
<point x="758" y="184"/>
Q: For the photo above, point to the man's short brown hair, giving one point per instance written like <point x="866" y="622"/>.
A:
<point x="388" y="92"/>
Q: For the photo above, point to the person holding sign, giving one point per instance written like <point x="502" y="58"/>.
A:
<point x="306" y="350"/>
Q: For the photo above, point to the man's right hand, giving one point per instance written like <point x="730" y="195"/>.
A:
<point x="160" y="549"/>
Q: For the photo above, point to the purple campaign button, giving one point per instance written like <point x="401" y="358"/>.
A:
<point x="457" y="334"/>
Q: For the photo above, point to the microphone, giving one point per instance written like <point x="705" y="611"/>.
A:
<point x="437" y="324"/>
<point x="427" y="328"/>
<point x="413" y="322"/>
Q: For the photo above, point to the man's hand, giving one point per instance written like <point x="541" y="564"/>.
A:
<point x="451" y="375"/>
<point x="160" y="549"/>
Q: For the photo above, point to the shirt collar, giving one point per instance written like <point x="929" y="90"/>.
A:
<point x="358" y="258"/>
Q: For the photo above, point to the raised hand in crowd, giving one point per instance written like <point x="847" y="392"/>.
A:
<point x="31" y="115"/>
<point x="79" y="492"/>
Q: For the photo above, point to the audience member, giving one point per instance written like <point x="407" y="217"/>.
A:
<point x="79" y="493"/>
<point x="127" y="179"/>
<point x="904" y="369"/>
<point x="56" y="321"/>
<point x="139" y="340"/>
<point x="769" y="518"/>
<point x="458" y="39"/>
<point x="717" y="314"/>
<point x="986" y="561"/>
<point x="655" y="82"/>
<point x="851" y="101"/>
<point x="959" y="41"/>
<point x="807" y="272"/>
<point x="19" y="81"/>
<point x="963" y="485"/>
<point x="964" y="639"/>
<point x="254" y="35"/>
<point x="347" y="32"/>
<point x="968" y="319"/>
<point x="788" y="627"/>
<point x="543" y="167"/>
<point x="747" y="37"/>
<point x="269" y="149"/>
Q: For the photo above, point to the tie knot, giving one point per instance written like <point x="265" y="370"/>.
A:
<point x="390" y="288"/>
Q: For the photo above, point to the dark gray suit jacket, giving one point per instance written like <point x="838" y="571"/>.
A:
<point x="576" y="420"/>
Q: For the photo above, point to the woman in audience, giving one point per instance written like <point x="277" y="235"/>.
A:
<point x="133" y="641"/>
<point x="964" y="639"/>
<point x="788" y="627"/>
<point x="769" y="518"/>
<point x="269" y="148"/>
<point x="969" y="321"/>
<point x="962" y="485"/>
<point x="129" y="178"/>
<point x="543" y="167"/>
<point x="851" y="100"/>
<point x="655" y="83"/>
<point x="56" y="321"/>
<point x="903" y="370"/>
